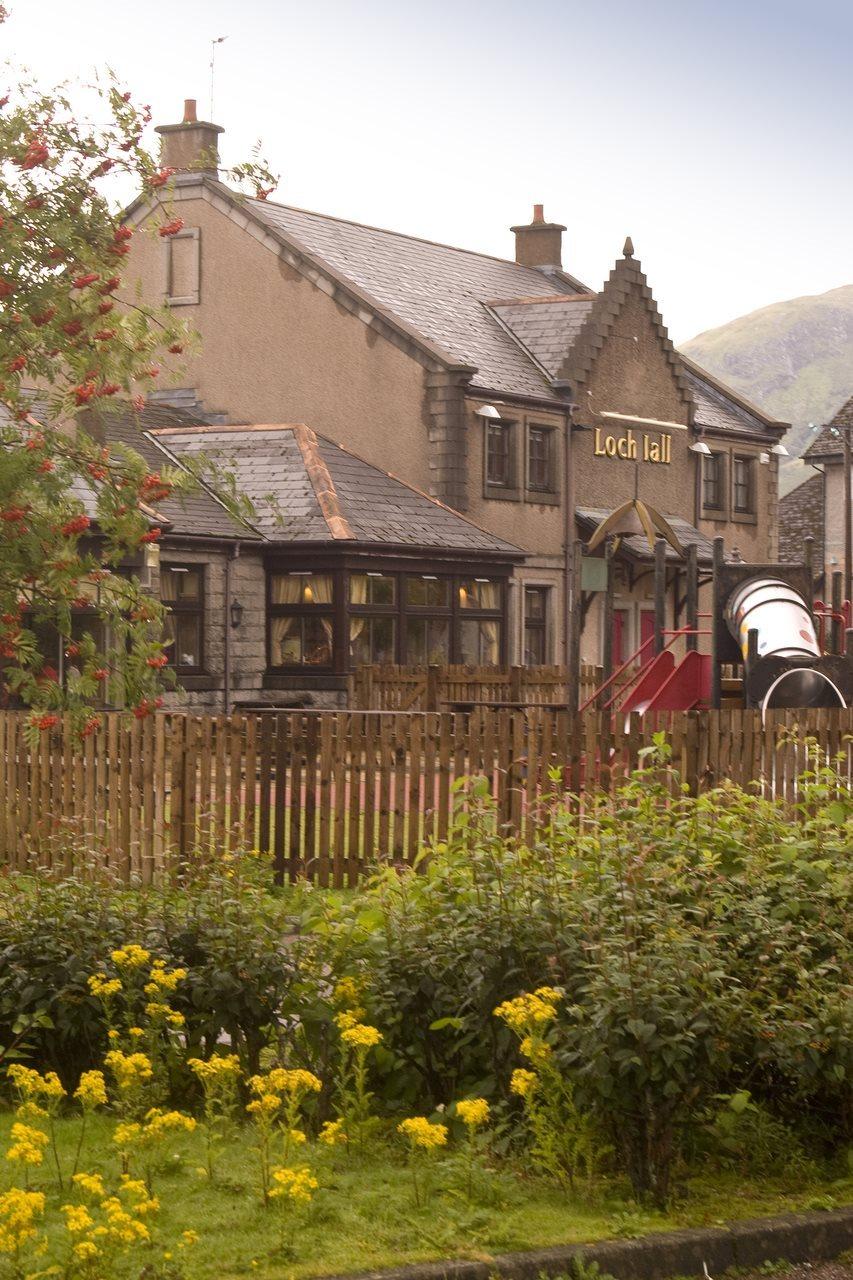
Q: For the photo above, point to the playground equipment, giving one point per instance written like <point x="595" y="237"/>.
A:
<point x="786" y="649"/>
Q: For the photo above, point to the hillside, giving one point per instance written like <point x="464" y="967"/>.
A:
<point x="794" y="359"/>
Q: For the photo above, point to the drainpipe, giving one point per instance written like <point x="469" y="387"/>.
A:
<point x="564" y="388"/>
<point x="226" y="697"/>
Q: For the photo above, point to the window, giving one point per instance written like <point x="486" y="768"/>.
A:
<point x="183" y="267"/>
<point x="480" y="601"/>
<point x="182" y="592"/>
<point x="535" y="626"/>
<point x="428" y="591"/>
<point x="743" y="496"/>
<point x="713" y="481"/>
<point x="499" y="468"/>
<point x="540" y="466"/>
<point x="427" y="641"/>
<point x="373" y="620"/>
<point x="301" y="621"/>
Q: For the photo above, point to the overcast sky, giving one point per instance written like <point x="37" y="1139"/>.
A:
<point x="718" y="134"/>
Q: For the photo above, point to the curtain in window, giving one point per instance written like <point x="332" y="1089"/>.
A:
<point x="490" y="597"/>
<point x="168" y="586"/>
<point x="285" y="589"/>
<point x="490" y="640"/>
<point x="318" y="589"/>
<point x="280" y="629"/>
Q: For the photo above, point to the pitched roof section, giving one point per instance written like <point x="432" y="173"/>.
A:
<point x="198" y="512"/>
<point x="546" y="326"/>
<point x="802" y="514"/>
<point x="305" y="488"/>
<point x="830" y="441"/>
<point x="720" y="412"/>
<point x="438" y="290"/>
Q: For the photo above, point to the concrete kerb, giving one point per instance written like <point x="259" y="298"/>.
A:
<point x="794" y="1237"/>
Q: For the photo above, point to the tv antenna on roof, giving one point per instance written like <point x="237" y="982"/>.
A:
<point x="213" y="44"/>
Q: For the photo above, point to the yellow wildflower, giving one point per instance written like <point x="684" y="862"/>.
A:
<point x="523" y="1082"/>
<point x="136" y="1033"/>
<point x="297" y="1185"/>
<point x="126" y="1134"/>
<point x="333" y="1133"/>
<point x="103" y="987"/>
<point x="90" y="1183"/>
<point x="531" y="1009"/>
<point x="473" y="1112"/>
<point x="176" y="1019"/>
<point x="130" y="1069"/>
<point x="31" y="1084"/>
<point x="85" y="1250"/>
<point x="190" y="1237"/>
<point x="282" y="1080"/>
<point x="347" y="993"/>
<point x="18" y="1213"/>
<point x="163" y="979"/>
<point x="27" y="1144"/>
<point x="77" y="1218"/>
<point x="422" y="1133"/>
<point x="158" y="1123"/>
<point x="130" y="956"/>
<point x="264" y="1107"/>
<point x="155" y="1010"/>
<point x="91" y="1092"/>
<point x="360" y="1036"/>
<point x="535" y="1049"/>
<point x="296" y="1136"/>
<point x="221" y="1066"/>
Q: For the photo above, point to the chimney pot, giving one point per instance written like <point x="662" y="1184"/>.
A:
<point x="539" y="243"/>
<point x="190" y="116"/>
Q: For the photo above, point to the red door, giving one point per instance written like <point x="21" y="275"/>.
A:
<point x="647" y="631"/>
<point x="620" y="637"/>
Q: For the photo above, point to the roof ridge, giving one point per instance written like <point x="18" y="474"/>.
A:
<point x="401" y="235"/>
<point x="725" y="389"/>
<point x="322" y="483"/>
<point x="533" y="300"/>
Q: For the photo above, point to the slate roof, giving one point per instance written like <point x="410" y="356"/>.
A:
<point x="305" y="488"/>
<point x="802" y="513"/>
<point x="546" y="326"/>
<point x="198" y="512"/>
<point x="440" y="291"/>
<point x="488" y="312"/>
<point x="636" y="545"/>
<point x="827" y="443"/>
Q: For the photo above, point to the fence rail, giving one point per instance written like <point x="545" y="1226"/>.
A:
<point x="441" y="688"/>
<point x="327" y="794"/>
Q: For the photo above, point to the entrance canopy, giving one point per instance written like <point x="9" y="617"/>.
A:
<point x="633" y="540"/>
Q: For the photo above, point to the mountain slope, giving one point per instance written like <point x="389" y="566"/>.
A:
<point x="794" y="359"/>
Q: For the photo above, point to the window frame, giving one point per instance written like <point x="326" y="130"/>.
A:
<point x="192" y="298"/>
<point x="547" y="492"/>
<point x="539" y="626"/>
<point x="330" y="610"/>
<point x="187" y="608"/>
<point x="507" y="490"/>
<point x="709" y="510"/>
<point x="749" y="513"/>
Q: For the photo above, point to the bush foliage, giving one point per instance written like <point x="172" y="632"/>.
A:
<point x="701" y="947"/>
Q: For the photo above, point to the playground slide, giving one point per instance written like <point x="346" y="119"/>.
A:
<point x="652" y="677"/>
<point x="688" y="686"/>
<point x="669" y="686"/>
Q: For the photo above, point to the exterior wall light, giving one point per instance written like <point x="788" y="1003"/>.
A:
<point x="487" y="411"/>
<point x="236" y="614"/>
<point x="780" y="450"/>
<point x="700" y="447"/>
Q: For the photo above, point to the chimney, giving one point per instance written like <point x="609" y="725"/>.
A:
<point x="190" y="146"/>
<point x="540" y="243"/>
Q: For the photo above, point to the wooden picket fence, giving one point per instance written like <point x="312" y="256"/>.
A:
<point x="446" y="688"/>
<point x="328" y="794"/>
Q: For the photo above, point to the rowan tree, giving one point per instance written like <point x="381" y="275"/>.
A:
<point x="74" y="512"/>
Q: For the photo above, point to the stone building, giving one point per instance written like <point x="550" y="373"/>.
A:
<point x="817" y="505"/>
<point x="507" y="390"/>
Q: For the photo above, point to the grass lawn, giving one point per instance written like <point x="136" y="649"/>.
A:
<point x="363" y="1215"/>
